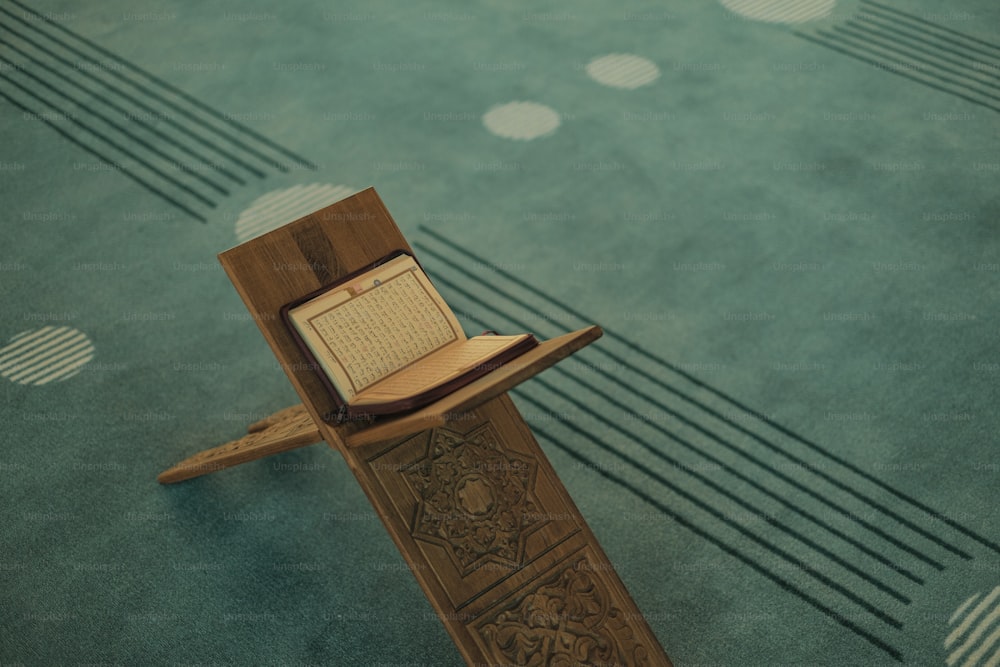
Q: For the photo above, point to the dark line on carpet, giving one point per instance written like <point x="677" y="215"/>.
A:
<point x="917" y="19"/>
<point x="760" y="487"/>
<point x="125" y="112"/>
<point x="850" y="31"/>
<point x="882" y="66"/>
<point x="720" y="516"/>
<point x="747" y="560"/>
<point x="103" y="137"/>
<point x="176" y="91"/>
<point x="885" y="588"/>
<point x="725" y="397"/>
<point x="159" y="98"/>
<point x="127" y="133"/>
<point x="690" y="446"/>
<point x="117" y="165"/>
<point x="771" y="446"/>
<point x="132" y="99"/>
<point x="902" y="34"/>
<point x="705" y="506"/>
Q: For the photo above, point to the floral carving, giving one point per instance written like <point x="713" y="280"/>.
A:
<point x="567" y="621"/>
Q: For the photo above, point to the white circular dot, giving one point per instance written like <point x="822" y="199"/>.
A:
<point x="781" y="11"/>
<point x="973" y="620"/>
<point x="623" y="70"/>
<point x="280" y="207"/>
<point x="521" y="120"/>
<point x="49" y="354"/>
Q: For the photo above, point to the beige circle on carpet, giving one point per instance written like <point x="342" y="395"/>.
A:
<point x="522" y="121"/>
<point x="781" y="11"/>
<point x="49" y="354"/>
<point x="974" y="632"/>
<point x="623" y="70"/>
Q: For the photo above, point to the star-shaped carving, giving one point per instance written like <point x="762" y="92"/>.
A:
<point x="476" y="498"/>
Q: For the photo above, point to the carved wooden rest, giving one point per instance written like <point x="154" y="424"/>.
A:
<point x="511" y="568"/>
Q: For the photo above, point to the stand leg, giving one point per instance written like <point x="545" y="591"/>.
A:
<point x="284" y="430"/>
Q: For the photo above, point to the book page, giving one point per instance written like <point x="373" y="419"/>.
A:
<point x="376" y="324"/>
<point x="437" y="368"/>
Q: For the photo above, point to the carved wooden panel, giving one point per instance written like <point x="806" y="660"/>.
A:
<point x="522" y="578"/>
<point x="569" y="617"/>
<point x="474" y="497"/>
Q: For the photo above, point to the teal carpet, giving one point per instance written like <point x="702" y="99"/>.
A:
<point x="784" y="215"/>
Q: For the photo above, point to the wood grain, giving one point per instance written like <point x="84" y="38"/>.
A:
<point x="290" y="428"/>
<point x="481" y="517"/>
<point x="475" y="508"/>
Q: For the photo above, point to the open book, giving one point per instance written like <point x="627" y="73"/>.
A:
<point x="385" y="341"/>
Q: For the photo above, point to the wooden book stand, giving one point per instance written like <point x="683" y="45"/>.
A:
<point x="511" y="568"/>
